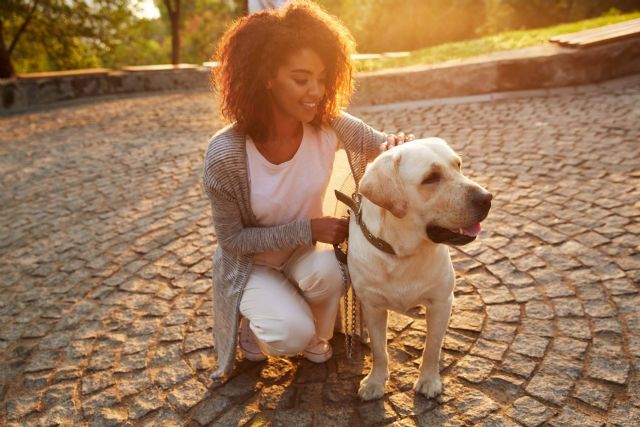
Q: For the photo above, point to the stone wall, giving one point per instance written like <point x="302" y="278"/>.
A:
<point x="537" y="67"/>
<point x="24" y="93"/>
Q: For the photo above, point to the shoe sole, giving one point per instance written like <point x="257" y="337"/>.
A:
<point x="319" y="358"/>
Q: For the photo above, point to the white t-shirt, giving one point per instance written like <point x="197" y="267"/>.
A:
<point x="291" y="190"/>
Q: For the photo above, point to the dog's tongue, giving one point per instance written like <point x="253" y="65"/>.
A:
<point x="472" y="231"/>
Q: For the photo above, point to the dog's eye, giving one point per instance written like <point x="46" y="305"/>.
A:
<point x="432" y="178"/>
<point x="459" y="164"/>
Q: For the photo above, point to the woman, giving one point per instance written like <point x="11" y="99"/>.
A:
<point x="282" y="78"/>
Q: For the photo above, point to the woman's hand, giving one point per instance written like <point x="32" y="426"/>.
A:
<point x="329" y="229"/>
<point x="394" y="140"/>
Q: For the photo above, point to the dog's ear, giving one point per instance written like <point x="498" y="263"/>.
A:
<point x="380" y="184"/>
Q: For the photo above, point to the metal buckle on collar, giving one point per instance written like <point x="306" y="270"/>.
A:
<point x="357" y="199"/>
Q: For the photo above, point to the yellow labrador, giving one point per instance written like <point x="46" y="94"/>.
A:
<point x="416" y="199"/>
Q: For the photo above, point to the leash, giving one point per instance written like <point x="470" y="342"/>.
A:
<point x="348" y="322"/>
<point x="350" y="301"/>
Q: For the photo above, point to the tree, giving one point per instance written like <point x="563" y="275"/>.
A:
<point x="195" y="25"/>
<point x="173" y="9"/>
<point x="58" y="34"/>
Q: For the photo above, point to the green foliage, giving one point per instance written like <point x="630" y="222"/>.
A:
<point x="203" y="23"/>
<point x="63" y="34"/>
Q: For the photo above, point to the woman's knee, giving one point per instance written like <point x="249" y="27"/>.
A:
<point x="325" y="281"/>
<point x="286" y="335"/>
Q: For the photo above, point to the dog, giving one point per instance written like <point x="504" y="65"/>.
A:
<point x="415" y="199"/>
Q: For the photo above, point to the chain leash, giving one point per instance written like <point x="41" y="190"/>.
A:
<point x="347" y="323"/>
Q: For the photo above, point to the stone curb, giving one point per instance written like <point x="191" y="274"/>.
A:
<point x="537" y="67"/>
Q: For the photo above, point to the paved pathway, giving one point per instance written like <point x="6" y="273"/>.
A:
<point x="105" y="246"/>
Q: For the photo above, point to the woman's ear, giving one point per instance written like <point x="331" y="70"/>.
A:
<point x="380" y="184"/>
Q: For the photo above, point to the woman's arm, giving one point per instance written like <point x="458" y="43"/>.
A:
<point x="235" y="238"/>
<point x="356" y="135"/>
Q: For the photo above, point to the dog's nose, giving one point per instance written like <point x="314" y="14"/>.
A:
<point x="482" y="200"/>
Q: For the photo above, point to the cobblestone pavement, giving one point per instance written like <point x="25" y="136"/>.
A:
<point x="106" y="244"/>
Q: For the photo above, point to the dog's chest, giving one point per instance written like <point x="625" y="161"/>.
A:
<point x="399" y="284"/>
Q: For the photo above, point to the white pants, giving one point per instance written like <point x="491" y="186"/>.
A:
<point x="287" y="305"/>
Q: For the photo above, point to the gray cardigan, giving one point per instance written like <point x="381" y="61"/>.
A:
<point x="239" y="236"/>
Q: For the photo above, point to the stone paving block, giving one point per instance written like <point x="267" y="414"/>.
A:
<point x="557" y="364"/>
<point x="411" y="404"/>
<point x="504" y="312"/>
<point x="467" y="320"/>
<point x="170" y="375"/>
<point x="147" y="401"/>
<point x="110" y="417"/>
<point x="530" y="345"/>
<point x="529" y="412"/>
<point x="473" y="405"/>
<point x="495" y="295"/>
<point x="575" y="328"/>
<point x="517" y="364"/>
<point x="570" y="347"/>
<point x="568" y="307"/>
<point x="103" y="399"/>
<point x="508" y="386"/>
<point x="163" y="417"/>
<point x="456" y="341"/>
<point x="240" y="387"/>
<point x="187" y="395"/>
<point x="489" y="349"/>
<point x="20" y="406"/>
<point x="624" y="414"/>
<point x="608" y="369"/>
<point x="551" y="388"/>
<point x="572" y="418"/>
<point x="210" y="408"/>
<point x="474" y="369"/>
<point x="541" y="328"/>
<point x="441" y="415"/>
<point x="293" y="417"/>
<point x="498" y="331"/>
<point x="538" y="310"/>
<point x="593" y="394"/>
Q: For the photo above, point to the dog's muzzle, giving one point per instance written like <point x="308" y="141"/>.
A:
<point x="481" y="203"/>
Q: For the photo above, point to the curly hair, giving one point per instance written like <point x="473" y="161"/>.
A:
<point x="253" y="48"/>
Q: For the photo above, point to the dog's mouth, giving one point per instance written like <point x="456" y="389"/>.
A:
<point x="461" y="236"/>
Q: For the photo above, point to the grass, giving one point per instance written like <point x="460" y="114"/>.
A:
<point x="484" y="45"/>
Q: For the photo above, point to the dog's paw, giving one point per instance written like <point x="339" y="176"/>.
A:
<point x="430" y="386"/>
<point x="371" y="389"/>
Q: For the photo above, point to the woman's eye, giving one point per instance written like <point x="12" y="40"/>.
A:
<point x="431" y="179"/>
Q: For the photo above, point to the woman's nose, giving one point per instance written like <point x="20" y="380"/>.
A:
<point x="315" y="89"/>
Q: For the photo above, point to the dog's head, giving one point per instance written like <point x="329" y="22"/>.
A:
<point x="423" y="179"/>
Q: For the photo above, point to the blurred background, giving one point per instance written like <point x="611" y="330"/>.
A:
<point x="50" y="35"/>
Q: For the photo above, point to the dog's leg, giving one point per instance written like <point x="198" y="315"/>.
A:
<point x="372" y="386"/>
<point x="438" y="313"/>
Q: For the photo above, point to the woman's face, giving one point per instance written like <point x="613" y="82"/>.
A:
<point x="299" y="86"/>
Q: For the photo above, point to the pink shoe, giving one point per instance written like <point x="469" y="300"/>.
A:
<point x="249" y="343"/>
<point x="318" y="350"/>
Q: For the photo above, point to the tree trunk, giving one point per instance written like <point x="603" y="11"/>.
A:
<point x="174" y="17"/>
<point x="6" y="68"/>
<point x="175" y="39"/>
